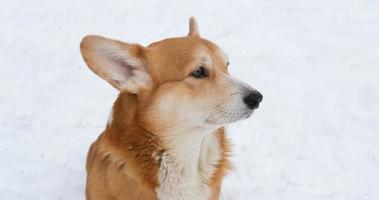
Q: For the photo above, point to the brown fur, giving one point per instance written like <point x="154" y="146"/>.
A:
<point x="223" y="166"/>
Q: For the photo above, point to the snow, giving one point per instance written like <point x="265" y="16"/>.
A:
<point x="315" y="136"/>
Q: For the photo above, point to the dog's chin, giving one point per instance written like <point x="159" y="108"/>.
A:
<point x="219" y="120"/>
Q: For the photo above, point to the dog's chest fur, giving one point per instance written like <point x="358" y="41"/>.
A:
<point x="188" y="166"/>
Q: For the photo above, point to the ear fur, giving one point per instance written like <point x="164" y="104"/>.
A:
<point x="121" y="64"/>
<point x="193" y="28"/>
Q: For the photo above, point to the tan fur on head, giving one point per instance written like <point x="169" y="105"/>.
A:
<point x="165" y="137"/>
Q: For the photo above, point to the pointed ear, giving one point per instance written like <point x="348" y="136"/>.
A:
<point x="193" y="28"/>
<point x="118" y="63"/>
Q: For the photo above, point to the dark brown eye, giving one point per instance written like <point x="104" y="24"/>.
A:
<point x="228" y="63"/>
<point x="200" y="72"/>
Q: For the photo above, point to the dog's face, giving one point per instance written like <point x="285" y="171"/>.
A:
<point x="179" y="81"/>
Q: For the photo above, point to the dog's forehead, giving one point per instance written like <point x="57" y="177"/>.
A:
<point x="171" y="57"/>
<point x="175" y="58"/>
<point x="189" y="46"/>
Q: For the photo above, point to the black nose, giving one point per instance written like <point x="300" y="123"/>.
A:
<point x="253" y="99"/>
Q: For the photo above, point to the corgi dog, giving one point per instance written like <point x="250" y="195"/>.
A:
<point x="165" y="137"/>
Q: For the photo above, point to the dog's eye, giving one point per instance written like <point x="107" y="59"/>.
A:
<point x="228" y="63"/>
<point x="200" y="72"/>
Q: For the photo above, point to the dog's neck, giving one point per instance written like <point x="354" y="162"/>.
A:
<point x="186" y="157"/>
<point x="188" y="163"/>
<point x="182" y="143"/>
<point x="186" y="146"/>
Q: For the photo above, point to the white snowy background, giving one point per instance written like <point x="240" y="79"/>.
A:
<point x="315" y="136"/>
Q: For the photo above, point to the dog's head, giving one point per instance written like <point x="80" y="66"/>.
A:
<point x="178" y="81"/>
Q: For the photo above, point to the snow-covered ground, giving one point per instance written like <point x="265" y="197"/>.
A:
<point x="316" y="135"/>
